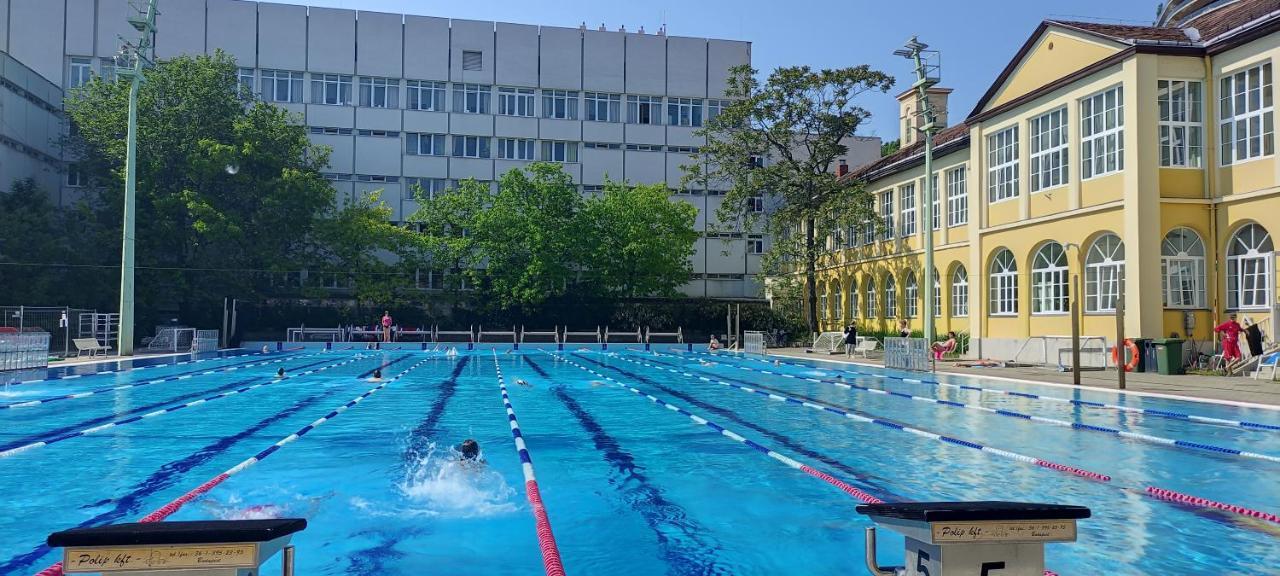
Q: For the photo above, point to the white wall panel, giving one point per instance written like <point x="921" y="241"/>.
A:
<point x="602" y="61"/>
<point x="471" y="35"/>
<point x="180" y="28"/>
<point x="516" y="55"/>
<point x="282" y="36"/>
<point x="331" y="41"/>
<point x="426" y="48"/>
<point x="232" y="25"/>
<point x="686" y="67"/>
<point x="560" y="58"/>
<point x="380" y="44"/>
<point x="35" y="37"/>
<point x="646" y="64"/>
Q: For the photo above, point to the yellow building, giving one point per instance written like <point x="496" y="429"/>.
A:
<point x="1104" y="152"/>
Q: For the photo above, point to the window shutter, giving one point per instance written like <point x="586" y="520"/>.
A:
<point x="472" y="60"/>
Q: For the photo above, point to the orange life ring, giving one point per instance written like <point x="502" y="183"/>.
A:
<point x="1134" y="355"/>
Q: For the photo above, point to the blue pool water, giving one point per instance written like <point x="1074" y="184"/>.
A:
<point x="630" y="487"/>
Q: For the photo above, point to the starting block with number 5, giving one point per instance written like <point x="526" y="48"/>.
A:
<point x="971" y="538"/>
<point x="203" y="548"/>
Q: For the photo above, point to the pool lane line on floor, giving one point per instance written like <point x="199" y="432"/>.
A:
<point x="170" y="378"/>
<point x="551" y="561"/>
<point x="1149" y="411"/>
<point x="664" y="517"/>
<point x="133" y="368"/>
<point x="421" y="434"/>
<point x="865" y="479"/>
<point x="867" y="418"/>
<point x="92" y="430"/>
<point x="1012" y="414"/>
<point x="159" y="514"/>
<point x="1159" y="493"/>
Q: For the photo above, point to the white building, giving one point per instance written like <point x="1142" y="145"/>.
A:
<point x="405" y="99"/>
<point x="30" y="126"/>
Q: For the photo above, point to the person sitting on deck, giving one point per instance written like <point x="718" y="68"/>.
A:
<point x="714" y="344"/>
<point x="944" y="347"/>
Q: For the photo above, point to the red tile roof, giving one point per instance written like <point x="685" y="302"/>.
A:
<point x="1219" y="21"/>
<point x="914" y="150"/>
<point x="1127" y="33"/>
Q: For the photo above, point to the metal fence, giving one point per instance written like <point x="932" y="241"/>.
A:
<point x="61" y="322"/>
<point x="206" y="341"/>
<point x="24" y="350"/>
<point x="753" y="342"/>
<point x="907" y="354"/>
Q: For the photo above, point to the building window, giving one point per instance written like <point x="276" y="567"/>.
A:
<point x="281" y="86"/>
<point x="380" y="133"/>
<point x="1182" y="266"/>
<point x="684" y="111"/>
<point x="822" y="303"/>
<point x="907" y="203"/>
<point x="471" y="98"/>
<point x="246" y="78"/>
<point x="426" y="95"/>
<point x="1180" y="131"/>
<point x="1002" y="159"/>
<point x="1049" y="280"/>
<point x="755" y="245"/>
<point x="913" y="295"/>
<point x="76" y="178"/>
<point x="427" y="188"/>
<point x="472" y="60"/>
<point x="556" y="151"/>
<point x="869" y="227"/>
<point x="853" y="299"/>
<point x="872" y="307"/>
<point x="1004" y="284"/>
<point x="515" y="101"/>
<point x="560" y="104"/>
<point x="716" y="107"/>
<point x="471" y="146"/>
<point x="107" y="69"/>
<point x="890" y="297"/>
<point x="79" y="73"/>
<point x="603" y="107"/>
<point x="333" y="89"/>
<point x="1245" y="114"/>
<point x="935" y="208"/>
<point x="837" y="302"/>
<point x="959" y="292"/>
<point x="515" y="149"/>
<point x="425" y="144"/>
<point x="755" y="204"/>
<point x="1103" y="273"/>
<point x="937" y="295"/>
<point x="1102" y="133"/>
<point x="379" y="92"/>
<point x="644" y="109"/>
<point x="1049" y="150"/>
<point x="886" y="213"/>
<point x="1250" y="269"/>
<point x="957" y="198"/>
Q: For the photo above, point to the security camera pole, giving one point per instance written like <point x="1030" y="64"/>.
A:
<point x="927" y="75"/>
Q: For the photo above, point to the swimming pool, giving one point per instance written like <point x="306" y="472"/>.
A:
<point x="646" y="462"/>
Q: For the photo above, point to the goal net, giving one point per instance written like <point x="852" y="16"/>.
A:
<point x="829" y="343"/>
<point x="172" y="340"/>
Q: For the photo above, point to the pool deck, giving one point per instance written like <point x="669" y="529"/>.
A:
<point x="1232" y="390"/>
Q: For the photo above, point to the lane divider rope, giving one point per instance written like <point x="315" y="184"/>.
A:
<point x="167" y="510"/>
<point x="1149" y="411"/>
<point x="865" y="418"/>
<point x="136" y="368"/>
<point x="1020" y="415"/>
<point x="546" y="539"/>
<point x="170" y="378"/>
<point x="92" y="430"/>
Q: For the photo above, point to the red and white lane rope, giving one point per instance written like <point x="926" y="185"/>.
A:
<point x="546" y="539"/>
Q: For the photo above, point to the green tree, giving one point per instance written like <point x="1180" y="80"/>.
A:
<point x="42" y="261"/>
<point x="639" y="240"/>
<point x="890" y="147"/>
<point x="794" y="120"/>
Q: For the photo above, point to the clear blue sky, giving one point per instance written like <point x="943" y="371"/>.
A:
<point x="831" y="33"/>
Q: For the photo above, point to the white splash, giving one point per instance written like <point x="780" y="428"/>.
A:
<point x="442" y="485"/>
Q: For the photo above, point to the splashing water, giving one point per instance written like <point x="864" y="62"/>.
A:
<point x="440" y="484"/>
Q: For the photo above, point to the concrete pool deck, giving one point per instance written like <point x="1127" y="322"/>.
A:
<point x="1230" y="390"/>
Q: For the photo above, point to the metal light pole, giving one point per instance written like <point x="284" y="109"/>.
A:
<point x="927" y="69"/>
<point x="134" y="59"/>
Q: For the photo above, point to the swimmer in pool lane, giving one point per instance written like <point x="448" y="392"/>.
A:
<point x="469" y="452"/>
<point x="280" y="373"/>
<point x="523" y="382"/>
<point x="377" y="375"/>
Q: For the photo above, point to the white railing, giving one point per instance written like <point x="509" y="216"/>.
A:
<point x="205" y="341"/>
<point x="753" y="342"/>
<point x="907" y="354"/>
<point x="24" y="350"/>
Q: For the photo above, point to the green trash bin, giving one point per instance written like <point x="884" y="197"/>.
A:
<point x="1168" y="355"/>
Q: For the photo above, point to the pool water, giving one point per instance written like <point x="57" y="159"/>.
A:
<point x="630" y="486"/>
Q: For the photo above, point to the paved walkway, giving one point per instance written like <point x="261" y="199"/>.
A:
<point x="1213" y="388"/>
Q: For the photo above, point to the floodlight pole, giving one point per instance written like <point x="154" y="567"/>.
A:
<point x="924" y="81"/>
<point x="146" y="25"/>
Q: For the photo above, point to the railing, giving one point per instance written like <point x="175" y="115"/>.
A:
<point x="678" y="335"/>
<point x="24" y="350"/>
<point x="205" y="341"/>
<point x="753" y="342"/>
<point x="907" y="354"/>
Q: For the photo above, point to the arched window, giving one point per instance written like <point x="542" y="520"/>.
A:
<point x="1250" y="269"/>
<point x="873" y="310"/>
<point x="937" y="295"/>
<point x="1004" y="284"/>
<point x="1103" y="273"/>
<point x="1049" y="280"/>
<point x="913" y="295"/>
<point x="853" y="298"/>
<point x="822" y="302"/>
<point x="1182" y="267"/>
<point x="960" y="292"/>
<point x="890" y="297"/>
<point x="837" y="301"/>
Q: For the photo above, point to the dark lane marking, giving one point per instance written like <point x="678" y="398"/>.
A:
<point x="679" y="536"/>
<point x="370" y="371"/>
<point x="426" y="429"/>
<point x="780" y="438"/>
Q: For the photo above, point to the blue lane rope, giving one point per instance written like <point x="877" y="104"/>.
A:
<point x="137" y="368"/>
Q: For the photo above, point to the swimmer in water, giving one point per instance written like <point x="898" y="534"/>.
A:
<point x="596" y="383"/>
<point x="523" y="382"/>
<point x="264" y="349"/>
<point x="280" y="373"/>
<point x="469" y="453"/>
<point x="377" y="375"/>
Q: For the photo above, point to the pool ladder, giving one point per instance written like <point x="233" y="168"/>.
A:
<point x="873" y="566"/>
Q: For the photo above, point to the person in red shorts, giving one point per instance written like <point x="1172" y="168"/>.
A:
<point x="1230" y="338"/>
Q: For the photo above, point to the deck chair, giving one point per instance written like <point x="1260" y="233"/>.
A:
<point x="866" y="346"/>
<point x="1268" y="362"/>
<point x="89" y="345"/>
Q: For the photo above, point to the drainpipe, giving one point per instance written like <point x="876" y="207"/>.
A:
<point x="1211" y="163"/>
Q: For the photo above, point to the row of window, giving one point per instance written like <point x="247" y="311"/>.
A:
<point x="1250" y="278"/>
<point x="903" y="221"/>
<point x="832" y="306"/>
<point x="423" y="144"/>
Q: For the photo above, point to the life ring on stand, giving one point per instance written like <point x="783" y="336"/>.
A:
<point x="1134" y="355"/>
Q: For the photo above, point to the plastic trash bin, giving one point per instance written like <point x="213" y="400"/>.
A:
<point x="1168" y="355"/>
<point x="1148" y="352"/>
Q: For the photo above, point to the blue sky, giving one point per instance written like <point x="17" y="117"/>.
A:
<point x="831" y="33"/>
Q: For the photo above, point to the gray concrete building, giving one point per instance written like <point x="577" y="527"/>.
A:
<point x="407" y="99"/>
<point x="30" y="127"/>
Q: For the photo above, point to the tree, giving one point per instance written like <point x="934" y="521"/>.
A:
<point x="890" y="147"/>
<point x="796" y="120"/>
<point x="640" y="241"/>
<point x="41" y="261"/>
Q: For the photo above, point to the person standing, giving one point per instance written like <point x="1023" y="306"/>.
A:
<point x="386" y="326"/>
<point x="904" y="329"/>
<point x="850" y="340"/>
<point x="1230" y="338"/>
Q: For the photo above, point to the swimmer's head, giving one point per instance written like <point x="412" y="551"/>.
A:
<point x="469" y="449"/>
<point x="280" y="373"/>
<point x="377" y="373"/>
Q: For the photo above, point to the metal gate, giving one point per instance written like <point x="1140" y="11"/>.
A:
<point x="24" y="350"/>
<point x="907" y="354"/>
<point x="753" y="342"/>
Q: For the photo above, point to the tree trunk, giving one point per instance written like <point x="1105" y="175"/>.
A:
<point x="810" y="276"/>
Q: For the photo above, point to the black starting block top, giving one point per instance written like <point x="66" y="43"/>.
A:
<point x="198" y="532"/>
<point x="973" y="511"/>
